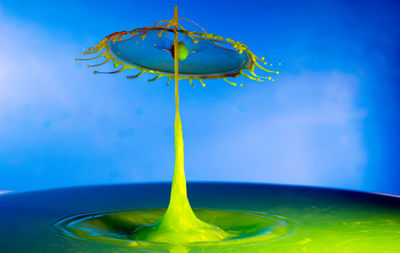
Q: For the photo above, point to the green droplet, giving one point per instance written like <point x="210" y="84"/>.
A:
<point x="183" y="52"/>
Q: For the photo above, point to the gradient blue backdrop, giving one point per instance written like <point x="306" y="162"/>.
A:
<point x="330" y="119"/>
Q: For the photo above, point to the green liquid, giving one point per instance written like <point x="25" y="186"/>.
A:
<point x="103" y="219"/>
<point x="179" y="225"/>
<point x="119" y="228"/>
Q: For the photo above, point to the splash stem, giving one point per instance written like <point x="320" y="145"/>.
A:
<point x="179" y="225"/>
<point x="179" y="213"/>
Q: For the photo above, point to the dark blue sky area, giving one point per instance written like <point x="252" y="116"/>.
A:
<point x="331" y="118"/>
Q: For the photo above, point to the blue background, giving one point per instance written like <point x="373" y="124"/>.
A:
<point x="330" y="119"/>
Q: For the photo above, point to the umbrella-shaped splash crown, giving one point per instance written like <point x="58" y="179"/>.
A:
<point x="202" y="55"/>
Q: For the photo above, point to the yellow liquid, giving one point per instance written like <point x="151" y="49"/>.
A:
<point x="179" y="225"/>
<point x="116" y="228"/>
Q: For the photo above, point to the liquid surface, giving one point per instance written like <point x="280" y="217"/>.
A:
<point x="332" y="220"/>
<point x="119" y="228"/>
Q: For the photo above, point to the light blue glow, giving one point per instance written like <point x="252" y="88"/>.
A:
<point x="330" y="119"/>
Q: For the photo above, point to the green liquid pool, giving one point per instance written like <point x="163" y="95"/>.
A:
<point x="257" y="217"/>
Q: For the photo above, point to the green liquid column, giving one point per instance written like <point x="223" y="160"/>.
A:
<point x="179" y="225"/>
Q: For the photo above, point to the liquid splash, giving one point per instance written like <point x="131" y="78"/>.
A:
<point x="203" y="55"/>
<point x="179" y="225"/>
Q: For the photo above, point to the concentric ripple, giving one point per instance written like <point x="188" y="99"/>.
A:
<point x="118" y="227"/>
